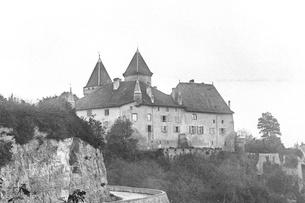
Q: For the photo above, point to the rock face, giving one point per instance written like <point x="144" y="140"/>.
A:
<point x="45" y="170"/>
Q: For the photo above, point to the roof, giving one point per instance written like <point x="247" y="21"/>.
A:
<point x="104" y="76"/>
<point x="137" y="66"/>
<point x="106" y="97"/>
<point x="200" y="97"/>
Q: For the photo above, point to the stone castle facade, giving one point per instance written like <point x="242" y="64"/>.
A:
<point x="194" y="113"/>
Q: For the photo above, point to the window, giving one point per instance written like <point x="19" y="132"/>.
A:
<point x="200" y="130"/>
<point x="158" y="108"/>
<point x="214" y="121"/>
<point x="163" y="118"/>
<point x="175" y="109"/>
<point x="164" y="129"/>
<point x="89" y="112"/>
<point x="192" y="129"/>
<point x="131" y="107"/>
<point x="212" y="131"/>
<point x="106" y="112"/>
<point x="177" y="129"/>
<point x="167" y="109"/>
<point x="222" y="121"/>
<point x="134" y="117"/>
<point x="194" y="116"/>
<point x="149" y="128"/>
<point x="222" y="131"/>
<point x="148" y="117"/>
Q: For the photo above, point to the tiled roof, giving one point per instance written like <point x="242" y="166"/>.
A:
<point x="160" y="98"/>
<point x="106" y="97"/>
<point x="199" y="97"/>
<point x="104" y="76"/>
<point x="137" y="66"/>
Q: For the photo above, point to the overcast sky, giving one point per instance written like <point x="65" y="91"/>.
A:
<point x="253" y="51"/>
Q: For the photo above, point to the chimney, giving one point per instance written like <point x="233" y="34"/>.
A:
<point x="116" y="83"/>
<point x="192" y="81"/>
<point x="229" y="104"/>
<point x="173" y="94"/>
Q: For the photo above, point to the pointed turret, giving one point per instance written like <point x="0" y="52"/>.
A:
<point x="99" y="77"/>
<point x="138" y="70"/>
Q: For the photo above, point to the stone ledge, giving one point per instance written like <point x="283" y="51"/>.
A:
<point x="153" y="195"/>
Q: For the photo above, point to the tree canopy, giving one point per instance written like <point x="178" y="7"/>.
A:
<point x="52" y="115"/>
<point x="119" y="140"/>
<point x="268" y="125"/>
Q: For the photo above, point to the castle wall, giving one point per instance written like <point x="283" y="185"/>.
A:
<point x="163" y="134"/>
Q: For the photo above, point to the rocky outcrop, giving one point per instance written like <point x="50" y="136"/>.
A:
<point x="46" y="170"/>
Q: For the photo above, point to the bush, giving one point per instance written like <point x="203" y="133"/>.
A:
<point x="52" y="115"/>
<point x="229" y="178"/>
<point x="271" y="144"/>
<point x="5" y="152"/>
<point x="119" y="140"/>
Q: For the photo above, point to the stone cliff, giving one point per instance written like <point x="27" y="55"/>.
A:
<point x="46" y="170"/>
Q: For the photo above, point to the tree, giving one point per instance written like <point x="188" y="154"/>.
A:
<point x="119" y="140"/>
<point x="98" y="132"/>
<point x="268" y="125"/>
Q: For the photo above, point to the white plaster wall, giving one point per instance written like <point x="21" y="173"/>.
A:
<point x="176" y="117"/>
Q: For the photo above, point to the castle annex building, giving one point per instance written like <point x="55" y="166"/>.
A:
<point x="195" y="112"/>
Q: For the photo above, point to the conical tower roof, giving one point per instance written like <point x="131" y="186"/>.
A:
<point x="137" y="66"/>
<point x="99" y="76"/>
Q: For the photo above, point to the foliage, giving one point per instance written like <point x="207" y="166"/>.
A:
<point x="98" y="131"/>
<point x="268" y="125"/>
<point x="271" y="144"/>
<point x="291" y="161"/>
<point x="22" y="190"/>
<point x="52" y="115"/>
<point x="5" y="152"/>
<point x="119" y="140"/>
<point x="278" y="181"/>
<point x="77" y="196"/>
<point x="226" y="178"/>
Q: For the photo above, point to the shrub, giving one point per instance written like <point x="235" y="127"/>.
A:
<point x="119" y="140"/>
<point x="5" y="152"/>
<point x="52" y="115"/>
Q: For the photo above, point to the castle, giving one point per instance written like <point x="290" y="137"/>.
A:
<point x="193" y="112"/>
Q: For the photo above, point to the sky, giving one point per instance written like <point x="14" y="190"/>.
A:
<point x="252" y="51"/>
